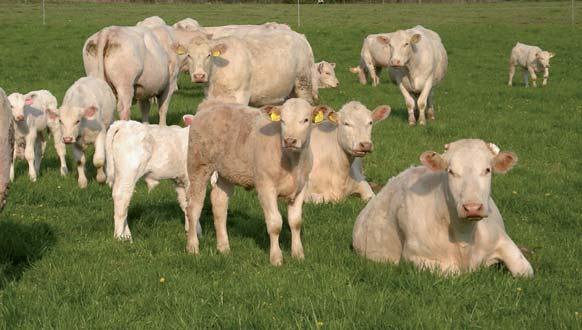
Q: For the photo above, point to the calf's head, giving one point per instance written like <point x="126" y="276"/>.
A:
<point x="543" y="58"/>
<point x="18" y="102"/>
<point x="469" y="165"/>
<point x="199" y="54"/>
<point x="297" y="117"/>
<point x="402" y="44"/>
<point x="354" y="130"/>
<point x="326" y="74"/>
<point x="70" y="120"/>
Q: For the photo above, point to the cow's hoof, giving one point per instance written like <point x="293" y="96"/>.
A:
<point x="192" y="249"/>
<point x="223" y="249"/>
<point x="422" y="123"/>
<point x="101" y="177"/>
<point x="299" y="255"/>
<point x="83" y="184"/>
<point x="64" y="171"/>
<point x="411" y="123"/>
<point x="124" y="238"/>
<point x="33" y="179"/>
<point x="277" y="259"/>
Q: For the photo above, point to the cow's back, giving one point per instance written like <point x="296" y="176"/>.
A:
<point x="6" y="145"/>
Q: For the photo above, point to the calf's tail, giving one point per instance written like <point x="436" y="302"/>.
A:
<point x="109" y="158"/>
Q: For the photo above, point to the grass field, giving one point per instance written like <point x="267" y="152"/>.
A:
<point x="61" y="268"/>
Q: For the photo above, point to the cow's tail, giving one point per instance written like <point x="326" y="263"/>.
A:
<point x="101" y="46"/>
<point x="109" y="158"/>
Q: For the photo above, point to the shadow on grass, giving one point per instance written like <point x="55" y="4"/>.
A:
<point x="20" y="246"/>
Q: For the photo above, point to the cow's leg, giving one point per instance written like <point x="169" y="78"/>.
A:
<point x="525" y="77"/>
<point x="124" y="98"/>
<point x="514" y="259"/>
<point x="361" y="71"/>
<point x="121" y="192"/>
<point x="294" y="212"/>
<point x="410" y="104"/>
<point x="304" y="88"/>
<point x="359" y="184"/>
<point x="144" y="108"/>
<point x="164" y="103"/>
<point x="99" y="156"/>
<point x="181" y="192"/>
<point x="274" y="221"/>
<point x="79" y="156"/>
<point x="30" y="153"/>
<point x="423" y="101"/>
<point x="532" y="74"/>
<point x="546" y="76"/>
<point x="60" y="147"/>
<point x="198" y="178"/>
<point x="14" y="158"/>
<point x="219" y="196"/>
<point x="511" y="73"/>
<point x="430" y="105"/>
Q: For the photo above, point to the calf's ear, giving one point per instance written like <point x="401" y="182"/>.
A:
<point x="52" y="114"/>
<point x="332" y="65"/>
<point x="188" y="119"/>
<point x="90" y="112"/>
<point x="320" y="67"/>
<point x="321" y="112"/>
<point x="415" y="38"/>
<point x="383" y="39"/>
<point x="219" y="49"/>
<point x="552" y="54"/>
<point x="504" y="161"/>
<point x="29" y="99"/>
<point x="381" y="112"/>
<point x="433" y="161"/>
<point x="178" y="48"/>
<point x="272" y="112"/>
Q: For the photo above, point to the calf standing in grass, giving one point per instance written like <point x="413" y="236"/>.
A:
<point x="267" y="148"/>
<point x="337" y="150"/>
<point x="31" y="122"/>
<point x="374" y="56"/>
<point x="441" y="216"/>
<point x="86" y="113"/>
<point x="531" y="59"/>
<point x="135" y="150"/>
<point x="324" y="75"/>
<point x="6" y="146"/>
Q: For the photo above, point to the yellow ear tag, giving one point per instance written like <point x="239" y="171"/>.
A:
<point x="332" y="117"/>
<point x="180" y="51"/>
<point x="275" y="116"/>
<point x="216" y="53"/>
<point x="318" y="118"/>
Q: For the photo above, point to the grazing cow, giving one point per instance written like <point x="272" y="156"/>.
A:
<point x="324" y="75"/>
<point x="418" y="62"/>
<point x="31" y="122"/>
<point x="152" y="22"/>
<point x="337" y="150"/>
<point x="86" y="113"/>
<point x="187" y="24"/>
<point x="135" y="150"/>
<point x="531" y="59"/>
<point x="136" y="64"/>
<point x="267" y="149"/>
<point x="257" y="69"/>
<point x="441" y="216"/>
<point x="6" y="146"/>
<point x="374" y="56"/>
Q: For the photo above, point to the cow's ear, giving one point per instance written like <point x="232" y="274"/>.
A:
<point x="320" y="112"/>
<point x="90" y="112"/>
<point x="272" y="112"/>
<point x="219" y="49"/>
<point x="178" y="48"/>
<point x="415" y="38"/>
<point x="552" y="54"/>
<point x="383" y="39"/>
<point x="433" y="161"/>
<point x="381" y="112"/>
<point x="332" y="65"/>
<point x="320" y="67"/>
<point x="52" y="114"/>
<point x="29" y="99"/>
<point x="538" y="54"/>
<point x="504" y="161"/>
<point x="188" y="119"/>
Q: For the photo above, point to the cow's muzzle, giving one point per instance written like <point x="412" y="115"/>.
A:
<point x="68" y="139"/>
<point x="473" y="211"/>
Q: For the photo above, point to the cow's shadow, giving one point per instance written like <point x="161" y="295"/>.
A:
<point x="21" y="245"/>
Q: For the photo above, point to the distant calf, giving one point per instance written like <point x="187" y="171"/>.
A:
<point x="324" y="75"/>
<point x="135" y="150"/>
<point x="6" y="146"/>
<point x="531" y="59"/>
<point x="374" y="56"/>
<point x="441" y="216"/>
<point x="86" y="113"/>
<point x="31" y="122"/>
<point x="267" y="149"/>
<point x="337" y="150"/>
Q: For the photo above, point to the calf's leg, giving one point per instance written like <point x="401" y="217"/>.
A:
<point x="99" y="157"/>
<point x="219" y="196"/>
<point x="274" y="221"/>
<point x="198" y="177"/>
<point x="294" y="212"/>
<point x="79" y="155"/>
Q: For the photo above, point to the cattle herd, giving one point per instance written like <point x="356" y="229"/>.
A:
<point x="259" y="127"/>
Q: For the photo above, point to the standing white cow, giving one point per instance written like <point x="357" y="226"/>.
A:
<point x="31" y="122"/>
<point x="260" y="68"/>
<point x="135" y="150"/>
<point x="441" y="216"/>
<point x="6" y="146"/>
<point x="337" y="151"/>
<point x="418" y="62"/>
<point x="374" y="56"/>
<point x="531" y="59"/>
<point x="86" y="113"/>
<point x="136" y="64"/>
<point x="324" y="75"/>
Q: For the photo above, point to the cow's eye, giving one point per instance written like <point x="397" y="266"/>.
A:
<point x="78" y="121"/>
<point x="451" y="172"/>
<point x="370" y="123"/>
<point x="305" y="120"/>
<point x="406" y="44"/>
<point x="487" y="170"/>
<point x="346" y="124"/>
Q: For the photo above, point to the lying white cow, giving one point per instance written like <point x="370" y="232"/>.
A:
<point x="418" y="62"/>
<point x="374" y="56"/>
<point x="31" y="122"/>
<point x="6" y="146"/>
<point x="441" y="216"/>
<point x="266" y="149"/>
<point x="237" y="73"/>
<point x="152" y="22"/>
<point x="86" y="113"/>
<point x="337" y="150"/>
<point x="187" y="24"/>
<point x="135" y="150"/>
<point x="324" y="75"/>
<point x="531" y="59"/>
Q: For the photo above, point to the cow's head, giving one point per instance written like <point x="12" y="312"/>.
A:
<point x="354" y="131"/>
<point x="70" y="120"/>
<point x="326" y="74"/>
<point x="469" y="165"/>
<point x="543" y="58"/>
<point x="297" y="117"/>
<point x="199" y="54"/>
<point x="402" y="45"/>
<point x="18" y="102"/>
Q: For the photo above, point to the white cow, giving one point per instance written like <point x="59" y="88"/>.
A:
<point x="187" y="24"/>
<point x="241" y="30"/>
<point x="31" y="123"/>
<point x="337" y="150"/>
<point x="418" y="63"/>
<point x="6" y="146"/>
<point x="531" y="59"/>
<point x="441" y="216"/>
<point x="260" y="68"/>
<point x="135" y="150"/>
<point x="374" y="56"/>
<point x="324" y="75"/>
<point x="85" y="114"/>
<point x="152" y="22"/>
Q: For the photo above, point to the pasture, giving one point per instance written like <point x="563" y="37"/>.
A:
<point x="61" y="268"/>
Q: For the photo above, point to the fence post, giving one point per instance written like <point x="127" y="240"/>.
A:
<point x="43" y="14"/>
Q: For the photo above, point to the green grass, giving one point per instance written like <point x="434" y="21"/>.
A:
<point x="61" y="268"/>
